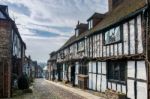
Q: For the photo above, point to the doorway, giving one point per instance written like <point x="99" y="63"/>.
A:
<point x="73" y="75"/>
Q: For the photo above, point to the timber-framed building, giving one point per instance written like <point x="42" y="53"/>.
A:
<point x="111" y="51"/>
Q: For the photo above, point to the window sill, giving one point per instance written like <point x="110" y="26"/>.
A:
<point x="117" y="81"/>
<point x="120" y="41"/>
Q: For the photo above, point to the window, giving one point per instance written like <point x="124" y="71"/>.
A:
<point x="113" y="35"/>
<point x="2" y="15"/>
<point x="77" y="32"/>
<point x="83" y="69"/>
<point x="90" y="24"/>
<point x="116" y="70"/>
<point x="81" y="46"/>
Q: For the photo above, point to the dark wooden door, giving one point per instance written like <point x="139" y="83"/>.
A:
<point x="73" y="75"/>
<point x="1" y="79"/>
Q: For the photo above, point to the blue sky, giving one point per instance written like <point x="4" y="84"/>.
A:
<point x="45" y="25"/>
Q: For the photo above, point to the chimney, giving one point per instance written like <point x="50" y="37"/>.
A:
<point x="113" y="4"/>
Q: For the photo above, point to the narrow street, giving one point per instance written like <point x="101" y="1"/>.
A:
<point x="44" y="90"/>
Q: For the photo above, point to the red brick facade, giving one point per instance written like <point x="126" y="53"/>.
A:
<point x="5" y="58"/>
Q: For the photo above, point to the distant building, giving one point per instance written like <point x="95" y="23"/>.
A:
<point x="38" y="71"/>
<point x="26" y="66"/>
<point x="52" y="67"/>
<point x="31" y="68"/>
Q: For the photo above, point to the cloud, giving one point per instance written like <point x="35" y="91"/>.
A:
<point x="46" y="24"/>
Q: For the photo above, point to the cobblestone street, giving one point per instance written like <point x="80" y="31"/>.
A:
<point x="45" y="90"/>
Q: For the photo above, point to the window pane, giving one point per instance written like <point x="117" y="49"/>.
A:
<point x="112" y="36"/>
<point x="116" y="70"/>
<point x="117" y="33"/>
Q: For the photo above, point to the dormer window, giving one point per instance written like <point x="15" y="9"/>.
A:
<point x="90" y="23"/>
<point x="94" y="20"/>
<point x="77" y="32"/>
<point x="80" y="28"/>
<point x="2" y="15"/>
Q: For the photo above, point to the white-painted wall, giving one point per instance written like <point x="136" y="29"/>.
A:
<point x="76" y="72"/>
<point x="97" y="81"/>
<point x="141" y="87"/>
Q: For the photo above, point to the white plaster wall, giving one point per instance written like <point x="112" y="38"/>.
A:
<point x="100" y="51"/>
<point x="101" y="45"/>
<point x="130" y="86"/>
<point x="114" y="86"/>
<point x="104" y="51"/>
<point x="103" y="67"/>
<point x="131" y="69"/>
<point x="103" y="83"/>
<point x="119" y="87"/>
<point x="94" y="81"/>
<point x="140" y="45"/>
<point x="77" y="68"/>
<point x="125" y="35"/>
<point x="90" y="66"/>
<point x="63" y="71"/>
<point x="99" y="67"/>
<point x="109" y="85"/>
<point x="141" y="70"/>
<point x="132" y="37"/>
<point x="90" y="81"/>
<point x="76" y="79"/>
<point x="98" y="82"/>
<point x="69" y="73"/>
<point x="94" y="46"/>
<point x="107" y="51"/>
<point x="124" y="89"/>
<point x="120" y="48"/>
<point x="112" y="50"/>
<point x="94" y="67"/>
<point x="65" y="78"/>
<point x="115" y="52"/>
<point x="141" y="90"/>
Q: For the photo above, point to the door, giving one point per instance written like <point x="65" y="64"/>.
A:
<point x="1" y="79"/>
<point x="73" y="75"/>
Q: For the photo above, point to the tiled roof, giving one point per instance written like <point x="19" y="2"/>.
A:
<point x="123" y="10"/>
<point x="126" y="8"/>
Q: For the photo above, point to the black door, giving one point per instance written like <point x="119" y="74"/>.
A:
<point x="73" y="75"/>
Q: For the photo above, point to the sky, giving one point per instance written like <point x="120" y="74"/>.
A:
<point x="45" y="25"/>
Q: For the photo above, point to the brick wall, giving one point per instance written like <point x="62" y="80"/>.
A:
<point x="5" y="57"/>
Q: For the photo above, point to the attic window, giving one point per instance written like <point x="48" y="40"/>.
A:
<point x="2" y="15"/>
<point x="113" y="36"/>
<point x="77" y="32"/>
<point x="90" y="24"/>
